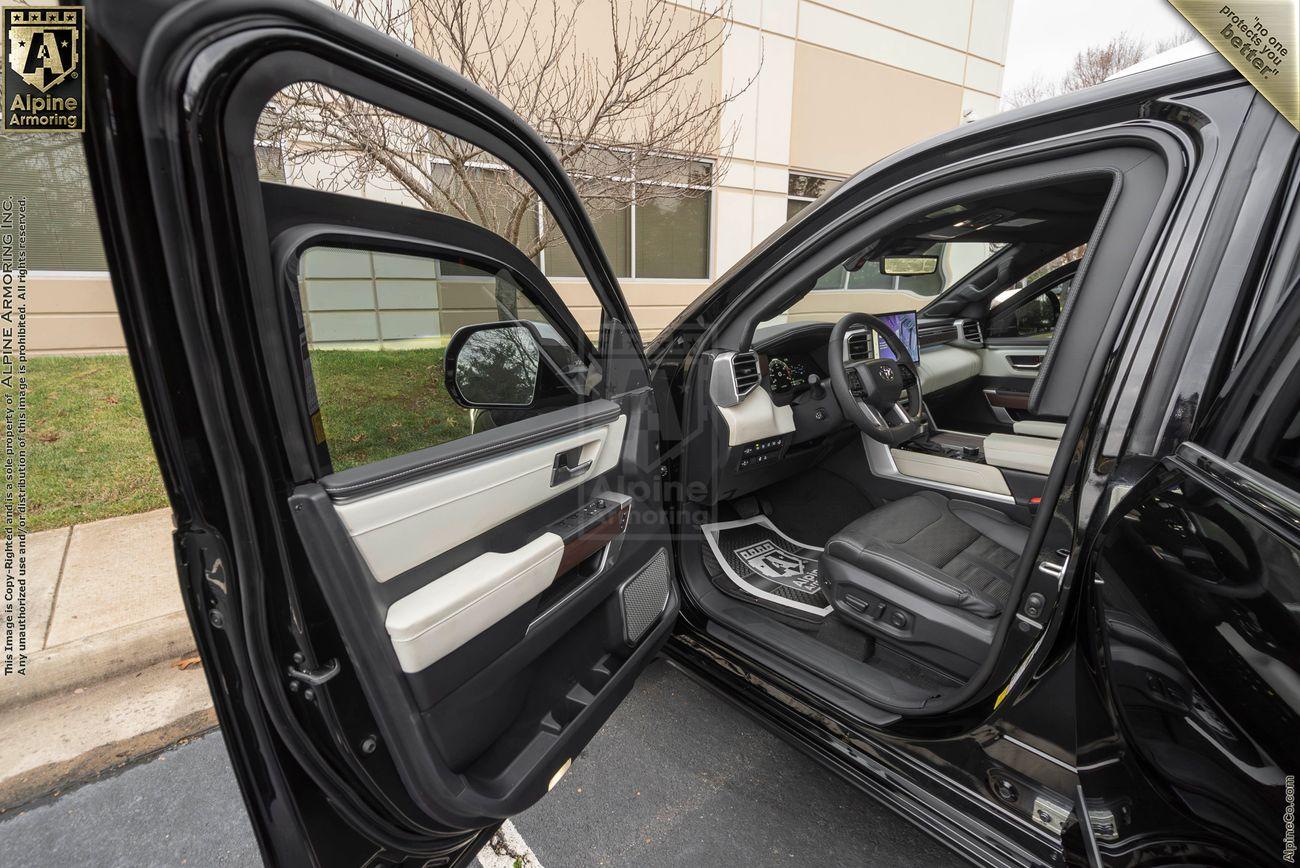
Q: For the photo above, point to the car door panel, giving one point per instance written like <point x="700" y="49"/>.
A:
<point x="1020" y="362"/>
<point x="1194" y="623"/>
<point x="409" y="650"/>
<point x="504" y="648"/>
<point x="399" y="528"/>
<point x="430" y="623"/>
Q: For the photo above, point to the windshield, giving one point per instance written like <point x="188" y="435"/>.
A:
<point x="866" y="290"/>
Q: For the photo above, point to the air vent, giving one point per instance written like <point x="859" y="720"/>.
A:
<point x="744" y="371"/>
<point x="858" y="345"/>
<point x="970" y="330"/>
<point x="934" y="335"/>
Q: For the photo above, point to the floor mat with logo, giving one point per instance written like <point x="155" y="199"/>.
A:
<point x="768" y="565"/>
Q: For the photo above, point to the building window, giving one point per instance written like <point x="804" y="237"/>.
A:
<point x="268" y="150"/>
<point x="663" y="233"/>
<point x="49" y="170"/>
<point x="804" y="189"/>
<point x="270" y="162"/>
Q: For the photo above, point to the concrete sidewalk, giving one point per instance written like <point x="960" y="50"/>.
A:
<point x="102" y="599"/>
<point x="106" y="629"/>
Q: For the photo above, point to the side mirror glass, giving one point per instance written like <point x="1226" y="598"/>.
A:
<point x="908" y="266"/>
<point x="493" y="365"/>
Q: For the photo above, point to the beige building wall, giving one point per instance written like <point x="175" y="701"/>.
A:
<point x="838" y="84"/>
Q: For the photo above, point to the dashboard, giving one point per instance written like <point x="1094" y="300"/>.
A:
<point x="794" y="420"/>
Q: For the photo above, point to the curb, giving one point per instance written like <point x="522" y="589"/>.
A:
<point x="49" y="779"/>
<point x="99" y="657"/>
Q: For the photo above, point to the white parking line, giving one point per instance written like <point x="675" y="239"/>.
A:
<point x="508" y="850"/>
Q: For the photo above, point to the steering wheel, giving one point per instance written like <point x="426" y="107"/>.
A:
<point x="869" y="390"/>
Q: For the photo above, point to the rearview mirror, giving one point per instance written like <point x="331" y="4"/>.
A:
<point x="904" y="266"/>
<point x="493" y="365"/>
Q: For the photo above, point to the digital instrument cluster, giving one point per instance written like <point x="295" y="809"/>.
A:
<point x="786" y="373"/>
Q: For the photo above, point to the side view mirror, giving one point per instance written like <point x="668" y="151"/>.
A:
<point x="493" y="365"/>
<point x="511" y="365"/>
<point x="908" y="266"/>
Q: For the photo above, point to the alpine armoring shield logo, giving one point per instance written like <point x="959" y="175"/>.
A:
<point x="43" y="87"/>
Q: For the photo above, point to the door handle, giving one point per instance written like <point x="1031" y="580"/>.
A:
<point x="564" y="467"/>
<point x="1025" y="363"/>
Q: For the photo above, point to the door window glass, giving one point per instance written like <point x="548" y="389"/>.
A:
<point x="1035" y="317"/>
<point x="314" y="136"/>
<point x="377" y="327"/>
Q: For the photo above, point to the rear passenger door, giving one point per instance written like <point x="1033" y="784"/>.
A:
<point x="1196" y="632"/>
<point x="420" y="531"/>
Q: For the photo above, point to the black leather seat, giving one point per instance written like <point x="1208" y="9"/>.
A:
<point x="953" y="552"/>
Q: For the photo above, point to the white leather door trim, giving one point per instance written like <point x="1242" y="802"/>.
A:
<point x="428" y="624"/>
<point x="994" y="363"/>
<point x="404" y="527"/>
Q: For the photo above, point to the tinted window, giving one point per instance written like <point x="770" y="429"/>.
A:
<point x="1035" y="317"/>
<point x="377" y="327"/>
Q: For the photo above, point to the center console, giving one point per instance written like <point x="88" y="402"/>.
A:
<point x="983" y="467"/>
<point x="950" y="444"/>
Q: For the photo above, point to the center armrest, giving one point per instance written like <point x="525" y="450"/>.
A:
<point x="1039" y="428"/>
<point x="1030" y="454"/>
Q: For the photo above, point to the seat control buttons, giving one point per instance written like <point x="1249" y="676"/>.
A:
<point x="854" y="603"/>
<point x="898" y="619"/>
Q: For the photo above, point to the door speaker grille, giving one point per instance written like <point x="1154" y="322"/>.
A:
<point x="644" y="597"/>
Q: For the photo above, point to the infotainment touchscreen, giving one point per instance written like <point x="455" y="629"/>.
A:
<point x="904" y="325"/>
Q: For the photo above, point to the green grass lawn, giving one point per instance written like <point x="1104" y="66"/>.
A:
<point x="380" y="404"/>
<point x="90" y="455"/>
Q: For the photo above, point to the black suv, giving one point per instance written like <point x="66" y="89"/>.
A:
<point x="1015" y="547"/>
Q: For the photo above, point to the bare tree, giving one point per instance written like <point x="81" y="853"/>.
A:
<point x="643" y="106"/>
<point x="1096" y="63"/>
<point x="1035" y="90"/>
<point x="1092" y="66"/>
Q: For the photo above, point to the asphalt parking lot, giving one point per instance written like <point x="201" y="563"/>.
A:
<point x="677" y="777"/>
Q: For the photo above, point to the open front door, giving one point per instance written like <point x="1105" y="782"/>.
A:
<point x="420" y="532"/>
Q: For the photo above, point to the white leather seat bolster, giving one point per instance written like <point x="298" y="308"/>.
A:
<point x="428" y="624"/>
<point x="1030" y="454"/>
<point x="1039" y="428"/>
